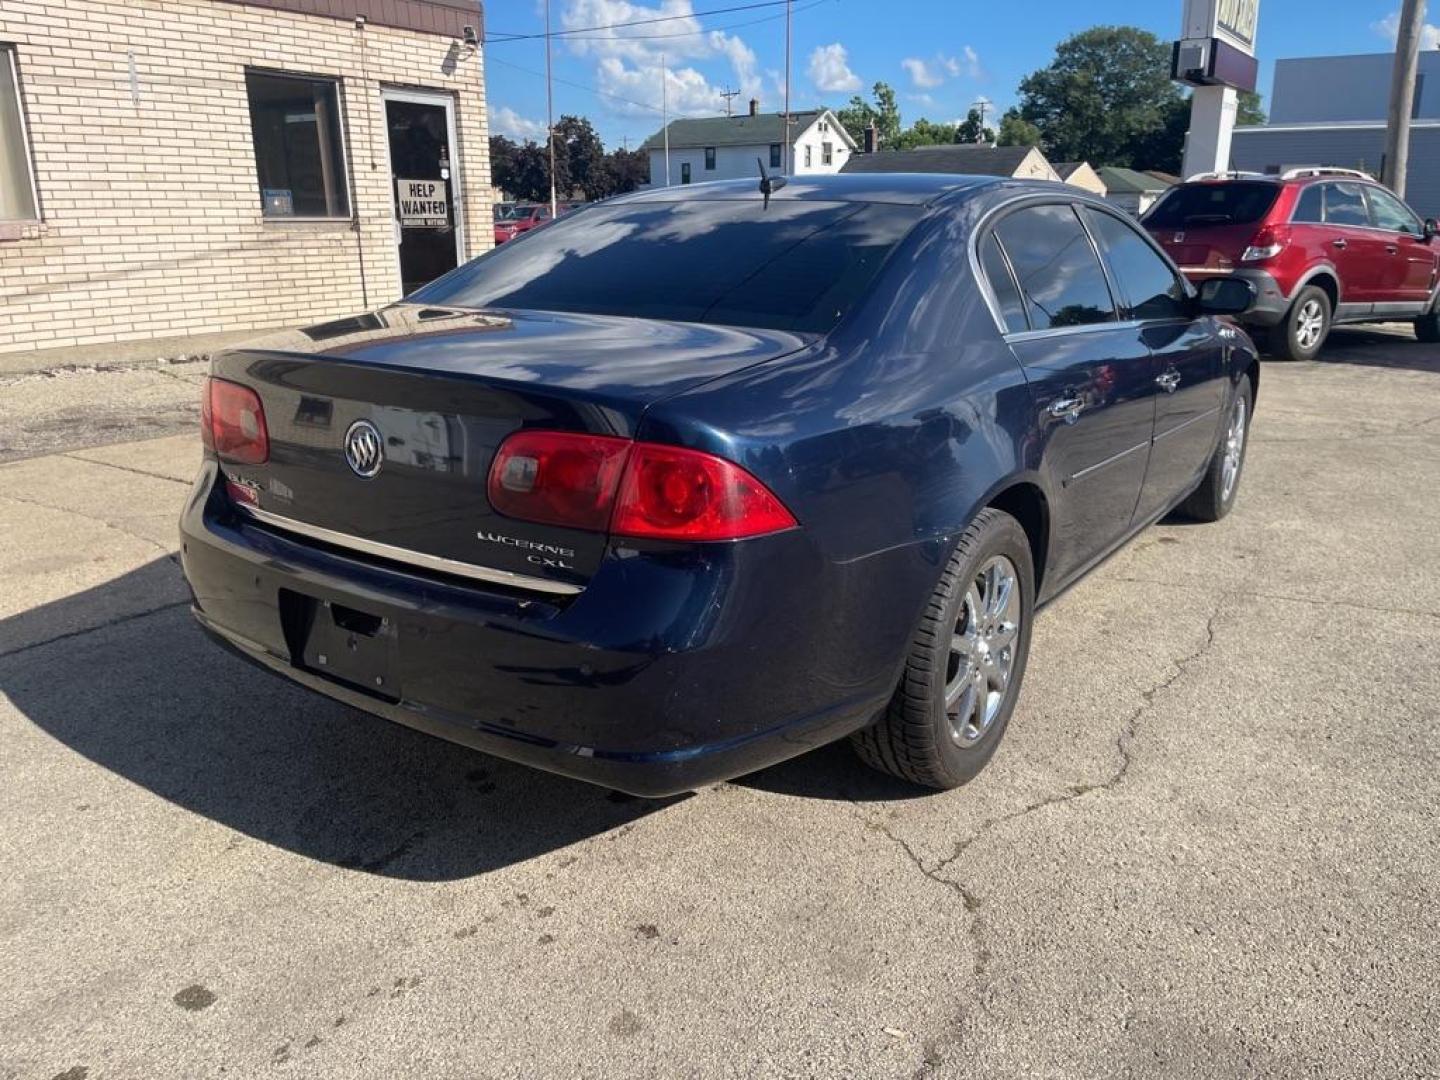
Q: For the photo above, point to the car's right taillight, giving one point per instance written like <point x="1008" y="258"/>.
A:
<point x="232" y="422"/>
<point x="632" y="489"/>
<point x="1266" y="244"/>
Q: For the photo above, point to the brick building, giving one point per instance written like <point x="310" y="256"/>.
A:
<point x="174" y="167"/>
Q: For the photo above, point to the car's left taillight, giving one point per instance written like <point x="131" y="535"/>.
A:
<point x="1268" y="242"/>
<point x="637" y="490"/>
<point x="232" y="422"/>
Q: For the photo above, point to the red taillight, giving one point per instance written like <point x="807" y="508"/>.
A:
<point x="640" y="490"/>
<point x="674" y="494"/>
<point x="232" y="422"/>
<point x="1268" y="242"/>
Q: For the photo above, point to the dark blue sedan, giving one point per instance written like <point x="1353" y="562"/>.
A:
<point x="697" y="479"/>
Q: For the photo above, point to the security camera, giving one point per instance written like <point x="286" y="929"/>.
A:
<point x="472" y="39"/>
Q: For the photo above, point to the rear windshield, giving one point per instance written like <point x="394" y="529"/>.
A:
<point x="796" y="265"/>
<point x="1194" y="205"/>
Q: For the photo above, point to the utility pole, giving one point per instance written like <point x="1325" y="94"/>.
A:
<point x="728" y="95"/>
<point x="665" y="114"/>
<point x="550" y="114"/>
<point x="981" y="104"/>
<point x="785" y="160"/>
<point x="1402" y="95"/>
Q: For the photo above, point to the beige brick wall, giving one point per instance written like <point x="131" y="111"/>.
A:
<point x="151" y="216"/>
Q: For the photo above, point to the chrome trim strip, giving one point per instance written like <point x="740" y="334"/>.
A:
<point x="1108" y="461"/>
<point x="412" y="558"/>
<point x="1181" y="427"/>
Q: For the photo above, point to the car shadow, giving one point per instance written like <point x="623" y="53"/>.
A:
<point x="143" y="693"/>
<point x="832" y="772"/>
<point x="1360" y="346"/>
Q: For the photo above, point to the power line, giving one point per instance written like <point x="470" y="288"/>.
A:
<point x="700" y="33"/>
<point x="494" y="36"/>
<point x="576" y="85"/>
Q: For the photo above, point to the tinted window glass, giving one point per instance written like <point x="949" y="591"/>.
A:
<point x="1002" y="284"/>
<point x="1345" y="205"/>
<point x="799" y="265"/>
<point x="1151" y="288"/>
<point x="1231" y="203"/>
<point x="1057" y="268"/>
<point x="1388" y="212"/>
<point x="1310" y="206"/>
<point x="295" y="123"/>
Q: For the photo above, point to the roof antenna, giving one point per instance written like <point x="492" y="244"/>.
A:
<point x="768" y="184"/>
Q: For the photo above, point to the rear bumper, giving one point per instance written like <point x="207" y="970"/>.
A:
<point x="1271" y="301"/>
<point x="672" y="670"/>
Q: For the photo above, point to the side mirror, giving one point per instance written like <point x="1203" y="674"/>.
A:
<point x="1226" y="296"/>
<point x="1431" y="228"/>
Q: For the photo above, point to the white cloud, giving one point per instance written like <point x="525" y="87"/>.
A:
<point x="628" y="59"/>
<point x="972" y="63"/>
<point x="506" y="121"/>
<point x="830" y="70"/>
<point x="928" y="74"/>
<point x="921" y="74"/>
<point x="1389" y="27"/>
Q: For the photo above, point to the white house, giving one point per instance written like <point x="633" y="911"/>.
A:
<point x="726" y="147"/>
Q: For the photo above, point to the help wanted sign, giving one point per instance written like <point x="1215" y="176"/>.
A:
<point x="422" y="204"/>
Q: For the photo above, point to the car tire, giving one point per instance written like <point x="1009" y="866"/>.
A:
<point x="1427" y="328"/>
<point x="1302" y="333"/>
<point x="1215" y="496"/>
<point x="965" y="664"/>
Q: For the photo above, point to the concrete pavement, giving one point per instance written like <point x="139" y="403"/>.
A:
<point x="1207" y="847"/>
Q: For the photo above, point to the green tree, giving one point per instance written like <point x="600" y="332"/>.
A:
<point x="925" y="133"/>
<point x="973" y="130"/>
<point x="1015" y="130"/>
<point x="1251" y="109"/>
<point x="579" y="158"/>
<point x="1106" y="98"/>
<point x="626" y="170"/>
<point x="884" y="114"/>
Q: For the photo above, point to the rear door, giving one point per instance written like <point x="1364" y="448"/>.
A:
<point x="1089" y="374"/>
<point x="1188" y="360"/>
<point x="1410" y="268"/>
<point x="1358" y="251"/>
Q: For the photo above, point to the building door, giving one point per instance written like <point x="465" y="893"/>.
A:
<point x="425" y="184"/>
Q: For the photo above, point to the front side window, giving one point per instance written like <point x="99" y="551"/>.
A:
<point x="684" y="172"/>
<point x="798" y="265"/>
<point x="17" y="180"/>
<point x="1056" y="267"/>
<point x="710" y="158"/>
<point x="775" y="155"/>
<point x="1345" y="205"/>
<point x="300" y="164"/>
<point x="1388" y="212"/>
<point x="1310" y="207"/>
<point x="827" y="153"/>
<point x="1151" y="288"/>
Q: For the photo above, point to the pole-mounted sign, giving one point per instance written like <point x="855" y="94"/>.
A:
<point x="1216" y="56"/>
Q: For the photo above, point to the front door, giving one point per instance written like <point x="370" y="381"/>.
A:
<point x="424" y="184"/>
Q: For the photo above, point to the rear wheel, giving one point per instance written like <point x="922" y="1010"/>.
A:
<point x="1305" y="326"/>
<point x="963" y="672"/>
<point x="1215" y="496"/>
<point x="1427" y="327"/>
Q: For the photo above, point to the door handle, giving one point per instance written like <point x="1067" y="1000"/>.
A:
<point x="1067" y="408"/>
<point x="1392" y="249"/>
<point x="1168" y="381"/>
<point x="1341" y="244"/>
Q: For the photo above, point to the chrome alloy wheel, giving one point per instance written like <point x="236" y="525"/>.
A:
<point x="1234" y="448"/>
<point x="1309" y="324"/>
<point x="982" y="651"/>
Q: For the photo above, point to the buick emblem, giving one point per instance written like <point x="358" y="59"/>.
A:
<point x="364" y="449"/>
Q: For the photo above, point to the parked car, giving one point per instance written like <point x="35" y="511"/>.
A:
<point x="502" y="210"/>
<point x="1321" y="246"/>
<point x="703" y="477"/>
<point x="521" y="219"/>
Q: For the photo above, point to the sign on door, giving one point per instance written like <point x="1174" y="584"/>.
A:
<point x="423" y="204"/>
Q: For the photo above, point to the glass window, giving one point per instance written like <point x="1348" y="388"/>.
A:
<point x="775" y="155"/>
<point x="1237" y="202"/>
<point x="807" y="156"/>
<point x="800" y="265"/>
<point x="1345" y="205"/>
<point x="684" y="172"/>
<point x="1002" y="284"/>
<point x="17" y="181"/>
<point x="827" y="153"/>
<point x="1151" y="288"/>
<point x="296" y="126"/>
<point x="710" y="158"/>
<point x="1057" y="268"/>
<point x="1310" y="207"/>
<point x="1388" y="212"/>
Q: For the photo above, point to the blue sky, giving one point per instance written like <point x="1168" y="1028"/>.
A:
<point x="940" y="55"/>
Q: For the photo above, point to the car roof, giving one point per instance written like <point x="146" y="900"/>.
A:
<point x="913" y="189"/>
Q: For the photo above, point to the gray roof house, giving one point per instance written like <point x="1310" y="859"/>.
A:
<point x="1131" y="190"/>
<point x="974" y="159"/>
<point x="727" y="147"/>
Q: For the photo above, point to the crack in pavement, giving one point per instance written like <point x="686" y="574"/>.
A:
<point x="119" y="620"/>
<point x="77" y="455"/>
<point x="168" y="552"/>
<point x="1288" y="598"/>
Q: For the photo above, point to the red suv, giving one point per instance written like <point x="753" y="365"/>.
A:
<point x="1321" y="246"/>
<point x="520" y="219"/>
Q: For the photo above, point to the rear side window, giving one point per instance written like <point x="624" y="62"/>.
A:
<point x="1310" y="207"/>
<point x="798" y="265"/>
<point x="1238" y="202"/>
<point x="1345" y="205"/>
<point x="1002" y="284"/>
<point x="1056" y="267"/>
<point x="1151" y="288"/>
